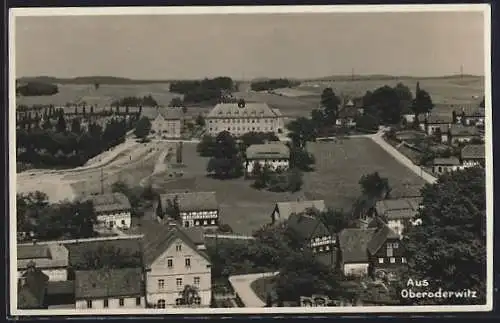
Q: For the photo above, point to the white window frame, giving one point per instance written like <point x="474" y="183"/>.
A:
<point x="393" y="260"/>
<point x="380" y="260"/>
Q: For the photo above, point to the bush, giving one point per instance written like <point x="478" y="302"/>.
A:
<point x="37" y="89"/>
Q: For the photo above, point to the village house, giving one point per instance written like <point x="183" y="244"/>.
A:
<point x="399" y="213"/>
<point x="61" y="294"/>
<point x="461" y="134"/>
<point x="353" y="251"/>
<point x="110" y="288"/>
<point x="437" y="124"/>
<point x="407" y="114"/>
<point x="470" y="115"/>
<point x="387" y="253"/>
<point x="473" y="155"/>
<point x="444" y="165"/>
<point x="240" y="118"/>
<point x="175" y="259"/>
<point x="165" y="122"/>
<point x="283" y="210"/>
<point x="51" y="259"/>
<point x="113" y="210"/>
<point x="189" y="208"/>
<point x="275" y="155"/>
<point x="347" y="117"/>
<point x="32" y="288"/>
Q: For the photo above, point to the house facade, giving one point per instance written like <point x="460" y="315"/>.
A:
<point x="473" y="155"/>
<point x="313" y="231"/>
<point x="398" y="213"/>
<point x="166" y="123"/>
<point x="191" y="209"/>
<point x="110" y="288"/>
<point x="444" y="165"/>
<point x="437" y="124"/>
<point x="274" y="155"/>
<point x="347" y="115"/>
<point x="240" y="118"/>
<point x="51" y="259"/>
<point x="113" y="210"/>
<point x="462" y="134"/>
<point x="283" y="210"/>
<point x="470" y="115"/>
<point x="353" y="251"/>
<point x="173" y="261"/>
<point x="386" y="253"/>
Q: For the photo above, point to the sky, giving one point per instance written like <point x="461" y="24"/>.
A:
<point x="305" y="45"/>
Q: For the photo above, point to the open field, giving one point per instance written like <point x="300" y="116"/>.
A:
<point x="340" y="165"/>
<point x="103" y="96"/>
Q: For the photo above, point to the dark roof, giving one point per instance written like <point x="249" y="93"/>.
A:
<point x="31" y="295"/>
<point x="110" y="202"/>
<point x="400" y="191"/>
<point x="380" y="237"/>
<point x="195" y="234"/>
<point x="354" y="243"/>
<point x="460" y="130"/>
<point x="348" y="112"/>
<point x="285" y="209"/>
<point x="106" y="283"/>
<point x="438" y="119"/>
<point x="158" y="238"/>
<point x="77" y="251"/>
<point x="450" y="161"/>
<point x="33" y="252"/>
<point x="307" y="226"/>
<point x="328" y="259"/>
<point x="65" y="287"/>
<point x="473" y="152"/>
<point x="192" y="201"/>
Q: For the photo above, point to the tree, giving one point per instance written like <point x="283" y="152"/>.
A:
<point x="330" y="104"/>
<point x="75" y="126"/>
<point x="336" y="220"/>
<point x="301" y="159"/>
<point x="301" y="130"/>
<point x="189" y="295"/>
<point x="449" y="248"/>
<point x="206" y="147"/>
<point x="374" y="186"/>
<point x="142" y="128"/>
<point x="384" y="103"/>
<point x="61" y="123"/>
<point x="263" y="175"/>
<point x="367" y="122"/>
<point x="109" y="257"/>
<point x="200" y="121"/>
<point x="422" y="103"/>
<point x="176" y="102"/>
<point x="226" y="161"/>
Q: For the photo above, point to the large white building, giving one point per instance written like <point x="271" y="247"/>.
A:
<point x="240" y="118"/>
<point x="276" y="155"/>
<point x="194" y="208"/>
<point x="175" y="260"/>
<point x="113" y="210"/>
<point x="166" y="123"/>
<point x="51" y="259"/>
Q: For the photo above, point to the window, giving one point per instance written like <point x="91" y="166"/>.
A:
<point x="389" y="252"/>
<point x="197" y="281"/>
<point x="395" y="244"/>
<point x="161" y="283"/>
<point x="161" y="303"/>
<point x="188" y="262"/>
<point x="123" y="222"/>
<point x="403" y="260"/>
<point x="106" y="303"/>
<point x="178" y="247"/>
<point x="178" y="301"/>
<point x="197" y="300"/>
<point x="121" y="302"/>
<point x="393" y="260"/>
<point x="89" y="303"/>
<point x="170" y="263"/>
<point x="178" y="282"/>
<point x="380" y="260"/>
<point x="327" y="248"/>
<point x="213" y="221"/>
<point x="138" y="301"/>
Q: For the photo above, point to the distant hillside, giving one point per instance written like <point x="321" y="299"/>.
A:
<point x="383" y="77"/>
<point x="111" y="80"/>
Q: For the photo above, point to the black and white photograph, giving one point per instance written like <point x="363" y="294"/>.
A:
<point x="250" y="160"/>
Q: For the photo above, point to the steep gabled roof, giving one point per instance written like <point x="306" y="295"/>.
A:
<point x="47" y="256"/>
<point x="473" y="152"/>
<point x="354" y="243"/>
<point x="379" y="238"/>
<point x="160" y="237"/>
<point x="286" y="209"/>
<point x="32" y="294"/>
<point x="109" y="202"/>
<point x="307" y="226"/>
<point x="250" y="110"/>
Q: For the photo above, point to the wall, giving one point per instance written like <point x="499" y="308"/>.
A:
<point x="470" y="163"/>
<point x="114" y="303"/>
<point x="116" y="218"/>
<point x="239" y="126"/>
<point x="356" y="269"/>
<point x="274" y="164"/>
<point x="200" y="267"/>
<point x="198" y="218"/>
<point x="396" y="225"/>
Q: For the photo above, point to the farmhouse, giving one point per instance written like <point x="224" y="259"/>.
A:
<point x="173" y="261"/>
<point x="275" y="155"/>
<point x="353" y="251"/>
<point x="283" y="210"/>
<point x="386" y="253"/>
<point x="165" y="122"/>
<point x="473" y="155"/>
<point x="460" y="134"/>
<point x="51" y="259"/>
<point x="398" y="213"/>
<point x="32" y="288"/>
<point x="113" y="210"/>
<point x="437" y="124"/>
<point x="312" y="230"/>
<point x="347" y="116"/>
<point x="110" y="288"/>
<point x="240" y="118"/>
<point x="190" y="208"/>
<point x="443" y="165"/>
